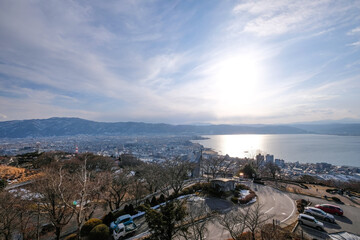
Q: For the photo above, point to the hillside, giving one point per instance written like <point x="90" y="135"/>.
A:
<point x="76" y="126"/>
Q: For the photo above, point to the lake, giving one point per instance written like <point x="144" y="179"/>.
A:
<point x="305" y="148"/>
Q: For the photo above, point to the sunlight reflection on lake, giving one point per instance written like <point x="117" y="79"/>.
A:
<point x="310" y="148"/>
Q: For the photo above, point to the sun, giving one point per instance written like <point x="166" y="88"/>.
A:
<point x="236" y="79"/>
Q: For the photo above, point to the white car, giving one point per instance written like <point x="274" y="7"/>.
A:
<point x="318" y="213"/>
<point x="310" y="221"/>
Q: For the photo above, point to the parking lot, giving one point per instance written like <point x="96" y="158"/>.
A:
<point x="349" y="222"/>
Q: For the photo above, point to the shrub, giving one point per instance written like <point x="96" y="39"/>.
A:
<point x="142" y="207"/>
<point x="241" y="187"/>
<point x="89" y="225"/>
<point x="336" y="200"/>
<point x="108" y="218"/>
<point x="3" y="183"/>
<point x="147" y="202"/>
<point x="101" y="231"/>
<point x="234" y="199"/>
<point x="245" y="236"/>
<point x="248" y="198"/>
<point x="131" y="210"/>
<point x="161" y="198"/>
<point x="126" y="209"/>
<point x="71" y="237"/>
<point x="153" y="202"/>
<point x="300" y="208"/>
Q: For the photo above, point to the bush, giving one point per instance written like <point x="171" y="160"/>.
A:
<point x="153" y="202"/>
<point x="131" y="210"/>
<point x="3" y="183"/>
<point x="162" y="198"/>
<point x="248" y="198"/>
<point x="245" y="236"/>
<point x="336" y="200"/>
<point x="142" y="207"/>
<point x="300" y="204"/>
<point x="147" y="202"/>
<point x="101" y="231"/>
<point x="71" y="237"/>
<point x="126" y="209"/>
<point x="108" y="218"/>
<point x="89" y="225"/>
<point x="234" y="199"/>
<point x="241" y="187"/>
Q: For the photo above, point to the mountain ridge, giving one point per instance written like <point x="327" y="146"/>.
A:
<point x="63" y="126"/>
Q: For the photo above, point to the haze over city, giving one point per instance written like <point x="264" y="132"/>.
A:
<point x="180" y="61"/>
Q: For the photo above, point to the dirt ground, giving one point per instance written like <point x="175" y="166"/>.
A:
<point x="315" y="191"/>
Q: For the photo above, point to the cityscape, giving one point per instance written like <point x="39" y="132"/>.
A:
<point x="180" y="120"/>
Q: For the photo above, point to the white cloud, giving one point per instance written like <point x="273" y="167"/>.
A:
<point x="267" y="18"/>
<point x="354" y="31"/>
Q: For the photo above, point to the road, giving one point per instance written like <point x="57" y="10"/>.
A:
<point x="281" y="206"/>
<point x="275" y="203"/>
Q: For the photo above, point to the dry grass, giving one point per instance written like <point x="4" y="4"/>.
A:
<point x="16" y="174"/>
<point x="314" y="191"/>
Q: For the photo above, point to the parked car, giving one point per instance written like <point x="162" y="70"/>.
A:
<point x="125" y="219"/>
<point x="318" y="213"/>
<point x="330" y="209"/>
<point x="123" y="230"/>
<point x="310" y="221"/>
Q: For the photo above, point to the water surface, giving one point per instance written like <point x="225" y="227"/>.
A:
<point x="305" y="148"/>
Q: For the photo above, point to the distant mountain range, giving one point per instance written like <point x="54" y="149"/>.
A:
<point x="77" y="126"/>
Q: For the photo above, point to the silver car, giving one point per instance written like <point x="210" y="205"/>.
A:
<point x="310" y="221"/>
<point x="318" y="213"/>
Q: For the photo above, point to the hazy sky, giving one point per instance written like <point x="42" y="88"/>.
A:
<point x="180" y="61"/>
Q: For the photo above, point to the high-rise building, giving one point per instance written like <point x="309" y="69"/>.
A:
<point x="269" y="158"/>
<point x="280" y="162"/>
<point x="259" y="159"/>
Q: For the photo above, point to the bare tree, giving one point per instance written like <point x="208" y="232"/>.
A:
<point x="163" y="224"/>
<point x="255" y="218"/>
<point x="226" y="166"/>
<point x="86" y="193"/>
<point x="56" y="190"/>
<point x="177" y="171"/>
<point x="195" y="225"/>
<point x="152" y="174"/>
<point x="234" y="222"/>
<point x="272" y="168"/>
<point x="137" y="189"/>
<point x="118" y="187"/>
<point x="9" y="216"/>
<point x="213" y="165"/>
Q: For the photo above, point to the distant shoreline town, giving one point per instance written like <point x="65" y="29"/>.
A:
<point x="159" y="148"/>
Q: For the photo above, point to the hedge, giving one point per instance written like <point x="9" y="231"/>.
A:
<point x="89" y="225"/>
<point x="99" y="232"/>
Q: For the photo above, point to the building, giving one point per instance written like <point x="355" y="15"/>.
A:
<point x="259" y="159"/>
<point x="280" y="162"/>
<point x="269" y="158"/>
<point x="223" y="184"/>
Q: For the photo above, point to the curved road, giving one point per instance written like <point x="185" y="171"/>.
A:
<point x="275" y="203"/>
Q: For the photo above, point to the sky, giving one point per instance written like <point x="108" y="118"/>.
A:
<point x="180" y="62"/>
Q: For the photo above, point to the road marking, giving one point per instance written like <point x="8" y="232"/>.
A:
<point x="292" y="210"/>
<point x="269" y="210"/>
